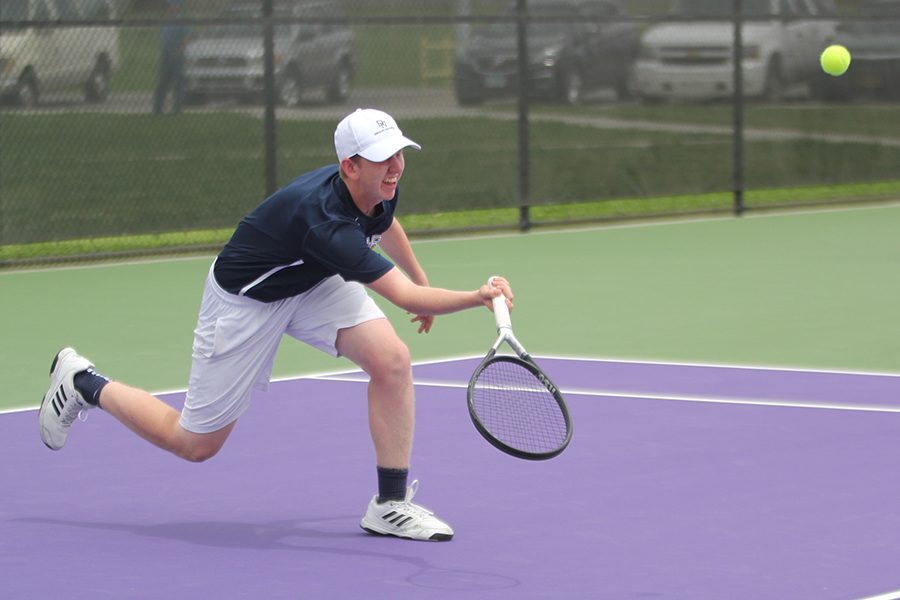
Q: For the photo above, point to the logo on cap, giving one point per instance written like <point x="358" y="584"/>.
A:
<point x="383" y="126"/>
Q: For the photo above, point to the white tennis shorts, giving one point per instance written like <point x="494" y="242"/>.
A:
<point x="237" y="337"/>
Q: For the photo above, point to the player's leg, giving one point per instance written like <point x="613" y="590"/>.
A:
<point x="158" y="423"/>
<point x="376" y="348"/>
<point x="341" y="319"/>
<point x="235" y="342"/>
<point x="76" y="387"/>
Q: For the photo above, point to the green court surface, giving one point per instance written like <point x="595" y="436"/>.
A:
<point x="817" y="290"/>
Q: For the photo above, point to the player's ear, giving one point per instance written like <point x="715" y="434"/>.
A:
<point x="349" y="168"/>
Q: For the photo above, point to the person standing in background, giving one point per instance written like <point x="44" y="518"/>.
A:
<point x="173" y="40"/>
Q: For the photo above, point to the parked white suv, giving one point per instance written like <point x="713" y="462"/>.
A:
<point x="34" y="60"/>
<point x="693" y="59"/>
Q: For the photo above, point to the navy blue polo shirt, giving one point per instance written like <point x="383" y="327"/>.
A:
<point x="303" y="233"/>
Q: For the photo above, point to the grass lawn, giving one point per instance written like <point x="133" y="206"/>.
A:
<point x="135" y="181"/>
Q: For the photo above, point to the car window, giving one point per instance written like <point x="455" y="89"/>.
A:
<point x="551" y="27"/>
<point x="67" y="10"/>
<point x="599" y="9"/>
<point x="248" y="12"/>
<point x="802" y="8"/>
<point x="879" y="24"/>
<point x="720" y="8"/>
<point x="330" y="11"/>
<point x="308" y="31"/>
<point x="794" y="8"/>
<point x="95" y="9"/>
<point x="826" y="7"/>
<point x="14" y="10"/>
<point x="493" y="30"/>
<point x="42" y="11"/>
<point x="880" y="9"/>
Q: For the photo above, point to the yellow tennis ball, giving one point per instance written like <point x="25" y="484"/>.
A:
<point x="835" y="60"/>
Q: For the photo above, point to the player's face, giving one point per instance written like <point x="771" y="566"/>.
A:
<point x="380" y="178"/>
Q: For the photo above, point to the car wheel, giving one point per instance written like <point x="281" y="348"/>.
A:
<point x="774" y="90"/>
<point x="339" y="90"/>
<point x="571" y="87"/>
<point x="27" y="92"/>
<point x="290" y="92"/>
<point x="467" y="95"/>
<point x="828" y="91"/>
<point x="97" y="87"/>
<point x="625" y="85"/>
<point x="194" y="98"/>
<point x="892" y="82"/>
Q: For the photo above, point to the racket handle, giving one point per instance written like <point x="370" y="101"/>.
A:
<point x="501" y="312"/>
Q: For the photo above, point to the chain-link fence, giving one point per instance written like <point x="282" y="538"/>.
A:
<point x="146" y="126"/>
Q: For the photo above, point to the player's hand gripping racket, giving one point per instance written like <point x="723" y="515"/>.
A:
<point x="513" y="403"/>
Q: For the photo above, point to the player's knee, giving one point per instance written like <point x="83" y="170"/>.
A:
<point x="199" y="447"/>
<point x="391" y="362"/>
<point x="199" y="454"/>
<point x="198" y="451"/>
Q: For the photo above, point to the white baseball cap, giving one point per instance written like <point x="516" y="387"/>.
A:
<point x="372" y="134"/>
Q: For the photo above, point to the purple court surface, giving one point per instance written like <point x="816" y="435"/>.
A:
<point x="681" y="482"/>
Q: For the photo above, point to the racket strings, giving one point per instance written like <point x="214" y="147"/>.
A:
<point x="517" y="409"/>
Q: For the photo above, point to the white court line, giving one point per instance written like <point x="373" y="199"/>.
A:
<point x="347" y="375"/>
<point x="651" y="396"/>
<point x="638" y="361"/>
<point x="298" y="377"/>
<point x="895" y="595"/>
<point x="10" y="411"/>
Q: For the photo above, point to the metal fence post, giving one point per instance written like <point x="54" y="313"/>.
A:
<point x="738" y="108"/>
<point x="524" y="164"/>
<point x="269" y="95"/>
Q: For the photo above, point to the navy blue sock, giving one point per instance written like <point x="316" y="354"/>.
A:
<point x="89" y="383"/>
<point x="391" y="484"/>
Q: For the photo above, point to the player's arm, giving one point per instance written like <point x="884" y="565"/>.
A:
<point x="396" y="244"/>
<point x="426" y="300"/>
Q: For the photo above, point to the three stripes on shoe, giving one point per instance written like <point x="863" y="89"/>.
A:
<point x="395" y="518"/>
<point x="59" y="401"/>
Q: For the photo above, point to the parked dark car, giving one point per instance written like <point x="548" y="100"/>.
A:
<point x="226" y="60"/>
<point x="874" y="46"/>
<point x="573" y="46"/>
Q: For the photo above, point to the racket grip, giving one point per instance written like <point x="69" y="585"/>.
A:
<point x="501" y="312"/>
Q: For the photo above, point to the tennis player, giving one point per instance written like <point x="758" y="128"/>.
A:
<point x="299" y="264"/>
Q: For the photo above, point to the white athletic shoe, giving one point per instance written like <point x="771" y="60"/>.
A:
<point x="62" y="404"/>
<point x="402" y="518"/>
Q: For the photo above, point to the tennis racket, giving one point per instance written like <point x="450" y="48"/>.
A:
<point x="513" y="403"/>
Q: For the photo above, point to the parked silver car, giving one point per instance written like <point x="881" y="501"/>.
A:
<point x="227" y="60"/>
<point x="692" y="59"/>
<point x="37" y="60"/>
